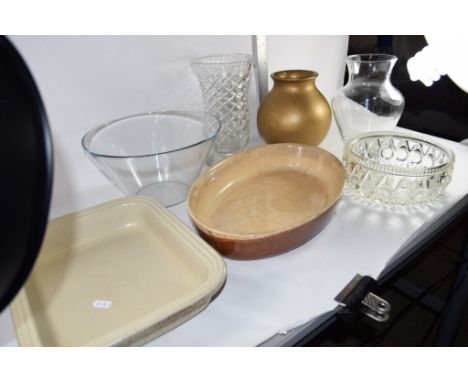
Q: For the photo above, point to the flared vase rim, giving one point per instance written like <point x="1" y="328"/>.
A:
<point x="222" y="59"/>
<point x="294" y="75"/>
<point x="372" y="58"/>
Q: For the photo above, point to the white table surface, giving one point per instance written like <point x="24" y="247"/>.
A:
<point x="265" y="297"/>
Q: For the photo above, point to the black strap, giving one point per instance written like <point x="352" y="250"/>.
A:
<point x="364" y="286"/>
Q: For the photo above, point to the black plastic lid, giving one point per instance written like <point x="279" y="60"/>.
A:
<point x="26" y="170"/>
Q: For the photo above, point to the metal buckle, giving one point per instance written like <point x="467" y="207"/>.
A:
<point x="356" y="296"/>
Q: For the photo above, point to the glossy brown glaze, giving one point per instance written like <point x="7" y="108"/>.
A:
<point x="267" y="200"/>
<point x="251" y="249"/>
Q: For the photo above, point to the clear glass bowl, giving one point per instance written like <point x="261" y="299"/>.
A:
<point x="156" y="154"/>
<point x="397" y="168"/>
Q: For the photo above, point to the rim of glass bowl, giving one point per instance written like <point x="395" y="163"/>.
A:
<point x="372" y="57"/>
<point x="396" y="170"/>
<point x="86" y="140"/>
<point x="240" y="58"/>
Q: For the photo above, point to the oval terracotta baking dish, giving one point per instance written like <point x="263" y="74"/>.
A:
<point x="266" y="200"/>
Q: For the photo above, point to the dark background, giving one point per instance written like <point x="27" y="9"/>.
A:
<point x="441" y="109"/>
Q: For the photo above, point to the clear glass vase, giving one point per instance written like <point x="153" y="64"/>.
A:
<point x="369" y="101"/>
<point x="224" y="81"/>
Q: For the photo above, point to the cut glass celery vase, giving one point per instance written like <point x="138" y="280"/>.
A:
<point x="368" y="102"/>
<point x="224" y="81"/>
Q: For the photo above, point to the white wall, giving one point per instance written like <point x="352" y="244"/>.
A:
<point x="88" y="80"/>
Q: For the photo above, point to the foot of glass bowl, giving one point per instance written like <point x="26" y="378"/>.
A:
<point x="168" y="193"/>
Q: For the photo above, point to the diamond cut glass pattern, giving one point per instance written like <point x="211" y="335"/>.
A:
<point x="397" y="168"/>
<point x="224" y="81"/>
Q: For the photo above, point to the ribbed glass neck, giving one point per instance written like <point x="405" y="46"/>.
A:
<point x="371" y="66"/>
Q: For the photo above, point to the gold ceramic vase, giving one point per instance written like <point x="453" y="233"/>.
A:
<point x="294" y="111"/>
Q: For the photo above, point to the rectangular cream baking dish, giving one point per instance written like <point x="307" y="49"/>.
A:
<point x="121" y="273"/>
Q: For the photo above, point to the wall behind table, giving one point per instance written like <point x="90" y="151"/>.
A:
<point x="86" y="81"/>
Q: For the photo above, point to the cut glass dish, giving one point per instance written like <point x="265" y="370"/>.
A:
<point x="397" y="168"/>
